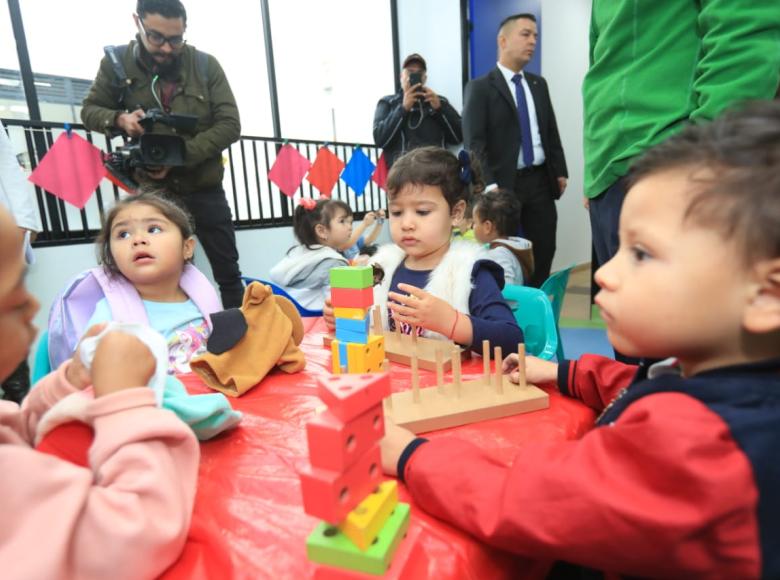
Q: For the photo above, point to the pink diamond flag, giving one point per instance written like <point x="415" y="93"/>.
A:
<point x="289" y="169"/>
<point x="71" y="170"/>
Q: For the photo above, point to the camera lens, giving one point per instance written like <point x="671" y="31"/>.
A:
<point x="157" y="153"/>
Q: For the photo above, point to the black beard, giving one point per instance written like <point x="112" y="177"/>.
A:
<point x="168" y="71"/>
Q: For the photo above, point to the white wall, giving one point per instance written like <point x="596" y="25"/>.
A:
<point x="432" y="29"/>
<point x="564" y="64"/>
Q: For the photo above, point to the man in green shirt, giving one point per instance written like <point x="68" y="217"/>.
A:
<point x="161" y="71"/>
<point x="656" y="66"/>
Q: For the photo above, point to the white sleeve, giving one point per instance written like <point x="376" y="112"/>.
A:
<point x="16" y="193"/>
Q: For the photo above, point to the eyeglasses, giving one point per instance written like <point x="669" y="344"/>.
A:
<point x="157" y="39"/>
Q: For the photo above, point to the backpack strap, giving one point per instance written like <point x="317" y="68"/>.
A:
<point x="116" y="54"/>
<point x="201" y="292"/>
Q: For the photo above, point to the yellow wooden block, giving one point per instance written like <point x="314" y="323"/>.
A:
<point x="366" y="358"/>
<point x="351" y="313"/>
<point x="363" y="524"/>
<point x="335" y="358"/>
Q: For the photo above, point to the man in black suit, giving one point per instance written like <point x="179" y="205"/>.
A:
<point x="516" y="137"/>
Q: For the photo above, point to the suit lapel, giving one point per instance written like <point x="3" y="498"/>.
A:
<point x="499" y="83"/>
<point x="539" y="105"/>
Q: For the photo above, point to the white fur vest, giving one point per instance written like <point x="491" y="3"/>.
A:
<point x="450" y="280"/>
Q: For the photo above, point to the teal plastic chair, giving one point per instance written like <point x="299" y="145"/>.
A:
<point x="555" y="289"/>
<point x="41" y="364"/>
<point x="279" y="291"/>
<point x="534" y="315"/>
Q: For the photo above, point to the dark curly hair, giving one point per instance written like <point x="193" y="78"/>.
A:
<point x="157" y="199"/>
<point x="434" y="166"/>
<point x="502" y="208"/>
<point x="734" y="164"/>
<point x="306" y="220"/>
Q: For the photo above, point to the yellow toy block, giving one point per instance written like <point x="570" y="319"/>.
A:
<point x="351" y="313"/>
<point x="363" y="524"/>
<point x="366" y="358"/>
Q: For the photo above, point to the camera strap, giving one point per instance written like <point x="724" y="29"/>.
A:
<point x="116" y="55"/>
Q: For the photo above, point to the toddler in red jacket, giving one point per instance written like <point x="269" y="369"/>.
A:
<point x="680" y="476"/>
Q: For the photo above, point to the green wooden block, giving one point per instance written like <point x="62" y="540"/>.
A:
<point x="352" y="277"/>
<point x="327" y="545"/>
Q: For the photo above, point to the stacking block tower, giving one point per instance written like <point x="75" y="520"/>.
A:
<point x="355" y="349"/>
<point x="363" y="521"/>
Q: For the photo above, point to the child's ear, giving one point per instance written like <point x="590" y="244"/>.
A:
<point x="189" y="248"/>
<point x="457" y="211"/>
<point x="321" y="232"/>
<point x="762" y="314"/>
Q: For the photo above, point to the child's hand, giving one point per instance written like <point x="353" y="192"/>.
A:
<point x="392" y="445"/>
<point x="537" y="371"/>
<point x="121" y="362"/>
<point x="327" y="314"/>
<point x="419" y="308"/>
<point x="369" y="218"/>
<point x="76" y="373"/>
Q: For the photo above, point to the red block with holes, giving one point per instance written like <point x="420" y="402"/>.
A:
<point x="352" y="297"/>
<point x="331" y="495"/>
<point x="335" y="444"/>
<point x="348" y="396"/>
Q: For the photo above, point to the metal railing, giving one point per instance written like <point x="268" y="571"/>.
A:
<point x="256" y="202"/>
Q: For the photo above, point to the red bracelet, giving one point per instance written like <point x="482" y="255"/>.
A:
<point x="454" y="324"/>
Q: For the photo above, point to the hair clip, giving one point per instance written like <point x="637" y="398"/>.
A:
<point x="307" y="203"/>
<point x="464" y="159"/>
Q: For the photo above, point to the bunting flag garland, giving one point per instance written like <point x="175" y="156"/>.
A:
<point x="380" y="175"/>
<point x="288" y="170"/>
<point x="71" y="169"/>
<point x="358" y="171"/>
<point x="325" y="171"/>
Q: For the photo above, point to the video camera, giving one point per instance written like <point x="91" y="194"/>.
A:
<point x="150" y="150"/>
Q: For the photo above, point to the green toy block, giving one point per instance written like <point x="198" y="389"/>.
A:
<point x="352" y="277"/>
<point x="327" y="545"/>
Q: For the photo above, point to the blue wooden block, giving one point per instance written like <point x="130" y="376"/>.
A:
<point x="343" y="355"/>
<point x="349" y="336"/>
<point x="352" y="325"/>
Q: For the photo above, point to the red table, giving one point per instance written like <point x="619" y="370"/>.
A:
<point x="249" y="521"/>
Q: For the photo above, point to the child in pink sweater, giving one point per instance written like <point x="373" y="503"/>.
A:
<point x="122" y="512"/>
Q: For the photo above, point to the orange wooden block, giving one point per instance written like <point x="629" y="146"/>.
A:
<point x="331" y="495"/>
<point x="352" y="297"/>
<point x="336" y="445"/>
<point x="348" y="396"/>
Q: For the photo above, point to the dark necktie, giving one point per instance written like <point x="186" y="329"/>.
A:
<point x="525" y="122"/>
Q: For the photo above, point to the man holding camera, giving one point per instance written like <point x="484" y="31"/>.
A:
<point x="159" y="71"/>
<point x="415" y="117"/>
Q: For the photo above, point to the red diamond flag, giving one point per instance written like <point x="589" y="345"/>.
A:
<point x="380" y="173"/>
<point x="325" y="171"/>
<point x="71" y="169"/>
<point x="289" y="169"/>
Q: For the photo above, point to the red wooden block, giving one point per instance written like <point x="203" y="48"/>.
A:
<point x="331" y="495"/>
<point x="348" y="396"/>
<point x="352" y="297"/>
<point x="336" y="445"/>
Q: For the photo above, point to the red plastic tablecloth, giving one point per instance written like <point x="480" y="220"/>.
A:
<point x="249" y="520"/>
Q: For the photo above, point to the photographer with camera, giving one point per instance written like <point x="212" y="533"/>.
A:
<point x="415" y="117"/>
<point x="176" y="107"/>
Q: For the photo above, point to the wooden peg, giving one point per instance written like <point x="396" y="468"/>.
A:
<point x="499" y="376"/>
<point x="486" y="361"/>
<point x="415" y="380"/>
<point x="414" y="336"/>
<point x="456" y="370"/>
<point x="385" y="366"/>
<point x="521" y="365"/>
<point x="377" y="319"/>
<point x="439" y="369"/>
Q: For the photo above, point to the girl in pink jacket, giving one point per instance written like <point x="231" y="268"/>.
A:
<point x="124" y="510"/>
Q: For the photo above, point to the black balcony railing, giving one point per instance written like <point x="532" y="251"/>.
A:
<point x="255" y="201"/>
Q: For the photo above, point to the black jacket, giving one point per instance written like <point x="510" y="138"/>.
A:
<point x="397" y="131"/>
<point x="492" y="132"/>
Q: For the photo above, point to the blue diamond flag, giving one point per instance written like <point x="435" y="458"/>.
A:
<point x="358" y="171"/>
